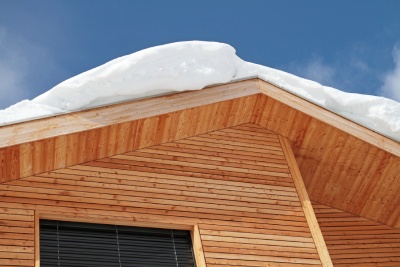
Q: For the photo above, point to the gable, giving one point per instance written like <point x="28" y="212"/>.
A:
<point x="339" y="160"/>
<point x="235" y="184"/>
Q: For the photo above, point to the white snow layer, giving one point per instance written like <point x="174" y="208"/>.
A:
<point x="193" y="65"/>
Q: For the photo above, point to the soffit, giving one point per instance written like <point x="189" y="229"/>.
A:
<point x="339" y="169"/>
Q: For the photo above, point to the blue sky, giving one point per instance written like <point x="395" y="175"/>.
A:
<point x="351" y="45"/>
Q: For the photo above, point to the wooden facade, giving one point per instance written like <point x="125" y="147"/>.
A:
<point x="234" y="184"/>
<point x="237" y="164"/>
<point x="355" y="241"/>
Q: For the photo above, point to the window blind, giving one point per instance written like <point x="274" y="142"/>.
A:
<point x="70" y="244"/>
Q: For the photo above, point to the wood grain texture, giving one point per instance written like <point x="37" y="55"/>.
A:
<point x="306" y="204"/>
<point x="37" y="239"/>
<point x="65" y="150"/>
<point x="339" y="169"/>
<point x="119" y="113"/>
<point x="233" y="184"/>
<point x="356" y="241"/>
<point x="17" y="240"/>
<point x="198" y="247"/>
<point x="343" y="164"/>
<point x="328" y="117"/>
<point x="9" y="163"/>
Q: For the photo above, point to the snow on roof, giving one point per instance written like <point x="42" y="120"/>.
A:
<point x="194" y="65"/>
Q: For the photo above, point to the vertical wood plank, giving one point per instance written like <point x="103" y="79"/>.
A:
<point x="2" y="165"/>
<point x="83" y="143"/>
<point x="25" y="159"/>
<point x="112" y="140"/>
<point x="170" y="130"/>
<point x="91" y="144"/>
<point x="131" y="135"/>
<point x="49" y="148"/>
<point x="103" y="142"/>
<point x="306" y="203"/>
<point x="150" y="132"/>
<point x="198" y="247"/>
<point x="138" y="133"/>
<point x="60" y="152"/>
<point x="72" y="149"/>
<point x="37" y="240"/>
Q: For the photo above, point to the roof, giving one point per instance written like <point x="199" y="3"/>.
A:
<point x="193" y="65"/>
<point x="344" y="165"/>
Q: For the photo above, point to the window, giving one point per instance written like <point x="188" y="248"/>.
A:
<point x="70" y="244"/>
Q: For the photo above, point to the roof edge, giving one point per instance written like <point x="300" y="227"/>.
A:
<point x="78" y="121"/>
<point x="377" y="139"/>
<point x="93" y="118"/>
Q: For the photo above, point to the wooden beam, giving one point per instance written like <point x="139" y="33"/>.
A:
<point x="306" y="204"/>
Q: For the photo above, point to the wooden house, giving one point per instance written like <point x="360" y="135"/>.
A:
<point x="259" y="176"/>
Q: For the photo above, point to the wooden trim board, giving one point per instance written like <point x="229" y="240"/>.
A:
<point x="306" y="204"/>
<point x="198" y="247"/>
<point x="194" y="230"/>
<point x="37" y="239"/>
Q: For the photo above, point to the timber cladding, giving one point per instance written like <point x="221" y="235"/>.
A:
<point x="59" y="151"/>
<point x="339" y="169"/>
<point x="356" y="241"/>
<point x="221" y="162"/>
<point x="343" y="164"/>
<point x="233" y="184"/>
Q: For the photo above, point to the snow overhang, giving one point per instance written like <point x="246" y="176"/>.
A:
<point x="332" y="151"/>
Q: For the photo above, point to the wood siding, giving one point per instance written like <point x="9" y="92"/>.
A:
<point x="344" y="165"/>
<point x="234" y="184"/>
<point x="339" y="169"/>
<point x="17" y="234"/>
<point x="65" y="150"/>
<point x="358" y="242"/>
<point x="306" y="203"/>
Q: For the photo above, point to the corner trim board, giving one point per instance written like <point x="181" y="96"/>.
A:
<point x="306" y="204"/>
<point x="198" y="247"/>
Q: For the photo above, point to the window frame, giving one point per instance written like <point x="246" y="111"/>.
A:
<point x="82" y="218"/>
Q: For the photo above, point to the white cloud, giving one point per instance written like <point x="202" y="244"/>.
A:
<point x="391" y="81"/>
<point x="320" y="72"/>
<point x="315" y="70"/>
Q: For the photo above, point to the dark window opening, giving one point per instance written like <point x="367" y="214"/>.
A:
<point x="70" y="244"/>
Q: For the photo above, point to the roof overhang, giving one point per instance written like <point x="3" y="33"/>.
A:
<point x="342" y="162"/>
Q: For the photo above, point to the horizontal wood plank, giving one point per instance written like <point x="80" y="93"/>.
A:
<point x="240" y="206"/>
<point x="370" y="244"/>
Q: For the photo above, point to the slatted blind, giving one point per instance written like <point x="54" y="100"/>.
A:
<point x="70" y="244"/>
